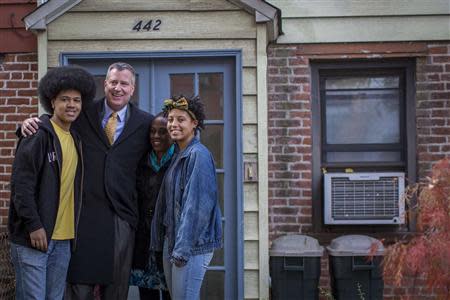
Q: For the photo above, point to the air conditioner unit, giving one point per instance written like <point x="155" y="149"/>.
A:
<point x="364" y="198"/>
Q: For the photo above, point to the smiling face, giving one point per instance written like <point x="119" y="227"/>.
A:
<point x="119" y="87"/>
<point x="159" y="136"/>
<point x="181" y="127"/>
<point x="66" y="108"/>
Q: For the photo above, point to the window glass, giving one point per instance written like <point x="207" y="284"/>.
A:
<point x="211" y="94"/>
<point x="212" y="138"/>
<point x="363" y="156"/>
<point x="212" y="287"/>
<point x="182" y="84"/>
<point x="362" y="82"/>
<point x="364" y="116"/>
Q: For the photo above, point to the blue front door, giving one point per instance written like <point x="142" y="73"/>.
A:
<point x="214" y="80"/>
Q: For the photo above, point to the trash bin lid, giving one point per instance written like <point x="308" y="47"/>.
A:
<point x="354" y="245"/>
<point x="296" y="245"/>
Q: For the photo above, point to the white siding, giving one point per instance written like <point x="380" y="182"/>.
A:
<point x="336" y="21"/>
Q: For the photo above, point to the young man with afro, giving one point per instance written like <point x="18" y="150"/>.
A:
<point x="46" y="187"/>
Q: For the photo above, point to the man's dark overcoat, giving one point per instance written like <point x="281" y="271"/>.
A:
<point x="109" y="190"/>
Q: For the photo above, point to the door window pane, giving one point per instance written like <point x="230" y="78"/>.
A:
<point x="211" y="94"/>
<point x="212" y="138"/>
<point x="182" y="84"/>
<point x="218" y="258"/>
<point x="100" y="88"/>
<point x="213" y="286"/>
<point x="362" y="117"/>
<point x="220" y="177"/>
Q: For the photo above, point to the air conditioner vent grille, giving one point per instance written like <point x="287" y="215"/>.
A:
<point x="364" y="199"/>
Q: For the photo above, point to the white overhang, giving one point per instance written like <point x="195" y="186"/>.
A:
<point x="44" y="14"/>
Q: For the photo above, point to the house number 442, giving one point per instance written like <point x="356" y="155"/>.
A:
<point x="150" y="25"/>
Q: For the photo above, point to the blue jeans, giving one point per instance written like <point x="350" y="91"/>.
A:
<point x="184" y="283"/>
<point x="41" y="275"/>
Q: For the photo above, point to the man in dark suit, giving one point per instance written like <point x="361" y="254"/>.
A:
<point x="115" y="134"/>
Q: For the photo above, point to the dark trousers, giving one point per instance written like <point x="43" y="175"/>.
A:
<point x="151" y="294"/>
<point x="123" y="256"/>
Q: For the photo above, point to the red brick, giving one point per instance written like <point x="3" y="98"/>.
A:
<point x="16" y="117"/>
<point x="18" y="101"/>
<point x="286" y="193"/>
<point x="31" y="92"/>
<point x="440" y="95"/>
<point x="438" y="50"/>
<point x="17" y="84"/>
<point x="16" y="75"/>
<point x="278" y="62"/>
<point x="286" y="88"/>
<point x="5" y="75"/>
<point x="273" y="70"/>
<point x="430" y="86"/>
<point x="27" y="110"/>
<point x="15" y="67"/>
<point x="7" y="109"/>
<point x="26" y="57"/>
<point x="287" y="228"/>
<point x="440" y="131"/>
<point x="278" y="79"/>
<point x="299" y="60"/>
<point x="441" y="59"/>
<point x="275" y="202"/>
<point x="301" y="96"/>
<point x="301" y="71"/>
<point x="431" y="77"/>
<point x="28" y="76"/>
<point x="433" y="68"/>
<point x="286" y="175"/>
<point x="282" y="52"/>
<point x="441" y="113"/>
<point x="299" y="79"/>
<point x="7" y="93"/>
<point x="9" y="58"/>
<point x="300" y="202"/>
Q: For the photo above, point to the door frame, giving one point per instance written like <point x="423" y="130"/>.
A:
<point x="65" y="57"/>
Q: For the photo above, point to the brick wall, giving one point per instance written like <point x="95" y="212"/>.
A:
<point x="433" y="107"/>
<point x="289" y="141"/>
<point x="18" y="101"/>
<point x="290" y="150"/>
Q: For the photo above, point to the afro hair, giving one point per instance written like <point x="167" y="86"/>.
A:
<point x="66" y="78"/>
<point x="196" y="107"/>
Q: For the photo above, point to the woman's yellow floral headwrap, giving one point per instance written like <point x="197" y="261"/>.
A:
<point x="181" y="104"/>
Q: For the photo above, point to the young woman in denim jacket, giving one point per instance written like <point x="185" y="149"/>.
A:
<point x="187" y="224"/>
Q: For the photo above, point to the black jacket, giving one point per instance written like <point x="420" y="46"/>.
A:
<point x="109" y="190"/>
<point x="35" y="184"/>
<point x="148" y="185"/>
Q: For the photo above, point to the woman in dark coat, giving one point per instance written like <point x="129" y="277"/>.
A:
<point x="147" y="272"/>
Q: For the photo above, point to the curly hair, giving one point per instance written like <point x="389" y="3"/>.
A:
<point x="62" y="79"/>
<point x="196" y="107"/>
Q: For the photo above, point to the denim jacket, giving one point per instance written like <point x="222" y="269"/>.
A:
<point x="187" y="211"/>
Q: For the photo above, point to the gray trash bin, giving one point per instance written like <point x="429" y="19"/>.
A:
<point x="295" y="267"/>
<point x="352" y="274"/>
